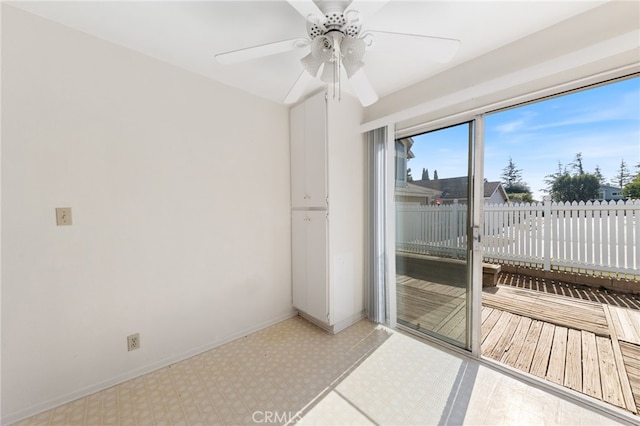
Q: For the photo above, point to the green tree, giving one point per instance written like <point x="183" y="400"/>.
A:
<point x="517" y="188"/>
<point x="435" y="175"/>
<point x="599" y="175"/>
<point x="632" y="189"/>
<point x="511" y="174"/>
<point x="513" y="185"/>
<point x="580" y="187"/>
<point x="409" y="177"/>
<point x="553" y="177"/>
<point x="622" y="175"/>
<point x="521" y="197"/>
<point x="577" y="164"/>
<point x="425" y="174"/>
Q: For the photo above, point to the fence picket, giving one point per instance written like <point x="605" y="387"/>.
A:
<point x="599" y="238"/>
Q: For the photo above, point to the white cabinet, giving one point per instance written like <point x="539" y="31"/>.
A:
<point x="309" y="154"/>
<point x="327" y="195"/>
<point x="309" y="251"/>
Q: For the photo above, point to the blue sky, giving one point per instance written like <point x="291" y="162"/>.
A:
<point x="602" y="123"/>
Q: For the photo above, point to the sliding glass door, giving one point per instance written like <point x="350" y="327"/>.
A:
<point x="433" y="246"/>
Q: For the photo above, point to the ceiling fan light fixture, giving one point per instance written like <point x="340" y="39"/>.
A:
<point x="311" y="64"/>
<point x="328" y="73"/>
<point x="352" y="49"/>
<point x="322" y="48"/>
<point x="352" y="67"/>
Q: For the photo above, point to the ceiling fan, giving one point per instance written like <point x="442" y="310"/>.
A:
<point x="336" y="42"/>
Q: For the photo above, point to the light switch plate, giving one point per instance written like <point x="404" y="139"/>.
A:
<point x="63" y="216"/>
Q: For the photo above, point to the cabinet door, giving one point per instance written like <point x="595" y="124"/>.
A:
<point x="316" y="150"/>
<point x="309" y="263"/>
<point x="299" y="259"/>
<point x="298" y="156"/>
<point x="308" y="133"/>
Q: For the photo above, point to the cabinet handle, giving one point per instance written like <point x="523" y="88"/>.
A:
<point x="306" y="197"/>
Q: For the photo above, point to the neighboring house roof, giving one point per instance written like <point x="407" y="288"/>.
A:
<point x="456" y="188"/>
<point x="412" y="190"/>
<point x="491" y="188"/>
<point x="609" y="188"/>
<point x="408" y="142"/>
<point x="449" y="188"/>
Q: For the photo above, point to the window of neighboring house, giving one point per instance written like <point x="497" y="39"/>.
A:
<point x="401" y="164"/>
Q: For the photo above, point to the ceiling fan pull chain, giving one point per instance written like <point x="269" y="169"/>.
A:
<point x="338" y="68"/>
<point x="337" y="63"/>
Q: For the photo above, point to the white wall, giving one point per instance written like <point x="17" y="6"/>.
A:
<point x="180" y="195"/>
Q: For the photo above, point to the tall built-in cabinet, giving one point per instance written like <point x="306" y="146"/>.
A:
<point x="327" y="217"/>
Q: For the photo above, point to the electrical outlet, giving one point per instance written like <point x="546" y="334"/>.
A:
<point x="63" y="216"/>
<point x="133" y="342"/>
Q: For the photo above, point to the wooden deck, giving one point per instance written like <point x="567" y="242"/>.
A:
<point x="590" y="347"/>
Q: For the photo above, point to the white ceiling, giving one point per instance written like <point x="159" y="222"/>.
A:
<point x="188" y="34"/>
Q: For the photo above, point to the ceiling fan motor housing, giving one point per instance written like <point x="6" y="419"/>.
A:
<point x="335" y="20"/>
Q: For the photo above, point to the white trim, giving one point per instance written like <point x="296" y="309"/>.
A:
<point x="390" y="225"/>
<point x="476" y="259"/>
<point x="81" y="393"/>
<point x="577" y="59"/>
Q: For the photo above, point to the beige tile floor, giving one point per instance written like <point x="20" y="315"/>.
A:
<point x="295" y="372"/>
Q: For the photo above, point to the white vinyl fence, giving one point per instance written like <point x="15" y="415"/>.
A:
<point x="593" y="237"/>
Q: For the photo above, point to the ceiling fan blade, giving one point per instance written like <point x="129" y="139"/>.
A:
<point x="362" y="87"/>
<point x="367" y="8"/>
<point x="438" y="49"/>
<point x="260" y="51"/>
<point x="309" y="10"/>
<point x="298" y="87"/>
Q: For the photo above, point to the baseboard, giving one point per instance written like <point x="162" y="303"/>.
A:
<point x="337" y="327"/>
<point x="81" y="393"/>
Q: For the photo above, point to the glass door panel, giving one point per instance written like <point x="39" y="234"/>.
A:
<point x="433" y="285"/>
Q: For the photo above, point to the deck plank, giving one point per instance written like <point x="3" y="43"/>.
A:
<point x="525" y="358"/>
<point x="499" y="349"/>
<point x="590" y="366"/>
<point x="558" y="310"/>
<point x="611" y="389"/>
<point x="489" y="323"/>
<point x="485" y="313"/>
<point x="631" y="356"/>
<point x="627" y="323"/>
<point x="513" y="349"/>
<point x="573" y="368"/>
<point x="493" y="338"/>
<point x="557" y="358"/>
<point x="543" y="349"/>
<point x="627" y="391"/>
